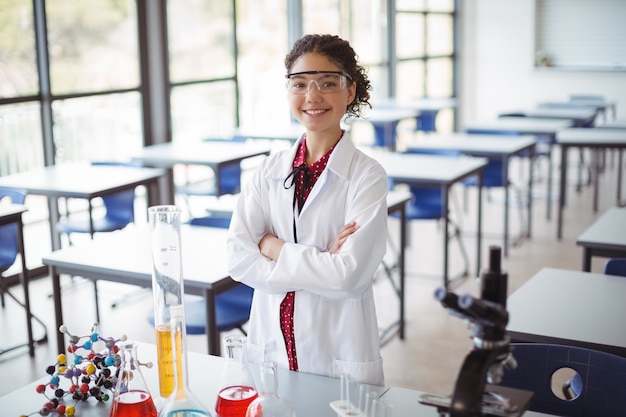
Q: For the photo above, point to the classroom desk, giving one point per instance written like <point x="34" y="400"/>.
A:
<point x="606" y="237"/>
<point x="527" y="126"/>
<point x="212" y="154"/>
<point x="385" y="121"/>
<point x="427" y="107"/>
<point x="432" y="171"/>
<point x="488" y="146"/>
<point x="570" y="308"/>
<point x="9" y="214"/>
<point x="81" y="180"/>
<point x="290" y="133"/>
<point x="579" y="117"/>
<point x="124" y="256"/>
<point x="308" y="394"/>
<point x="613" y="124"/>
<point x="600" y="107"/>
<point x="595" y="139"/>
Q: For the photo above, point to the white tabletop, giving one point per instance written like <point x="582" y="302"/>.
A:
<point x="424" y="103"/>
<point x="199" y="153"/>
<point x="607" y="231"/>
<point x="482" y="145"/>
<point x="79" y="179"/>
<point x="579" y="136"/>
<point x="570" y="307"/>
<point x="523" y="125"/>
<point x="308" y="394"/>
<point x="125" y="256"/>
<point x="426" y="169"/>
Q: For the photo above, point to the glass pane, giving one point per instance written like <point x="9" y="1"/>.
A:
<point x="97" y="128"/>
<point x="410" y="5"/>
<point x="410" y="35"/>
<point x="200" y="111"/>
<point x="93" y="45"/>
<point x="262" y="37"/>
<point x="410" y="80"/>
<point x="439" y="77"/>
<point x="440" y="39"/>
<point x="201" y="42"/>
<point x="18" y="63"/>
<point x="322" y="16"/>
<point x="378" y="76"/>
<point x="20" y="138"/>
<point x="440" y="5"/>
<point x="367" y="31"/>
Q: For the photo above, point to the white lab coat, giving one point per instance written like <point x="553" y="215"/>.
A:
<point x="336" y="330"/>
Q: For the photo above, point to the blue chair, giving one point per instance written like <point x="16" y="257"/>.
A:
<point x="427" y="204"/>
<point x="599" y="390"/>
<point x="232" y="307"/>
<point x="120" y="212"/>
<point x="493" y="174"/>
<point x="615" y="266"/>
<point x="229" y="180"/>
<point x="8" y="238"/>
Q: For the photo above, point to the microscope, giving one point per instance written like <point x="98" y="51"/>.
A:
<point x="475" y="393"/>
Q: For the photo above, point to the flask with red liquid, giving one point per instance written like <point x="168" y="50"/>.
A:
<point x="131" y="397"/>
<point x="236" y="390"/>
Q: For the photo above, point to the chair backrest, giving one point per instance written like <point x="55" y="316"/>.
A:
<point x="212" y="221"/>
<point x="615" y="266"/>
<point x="492" y="173"/>
<point x="8" y="232"/>
<point x="120" y="206"/>
<point x="602" y="379"/>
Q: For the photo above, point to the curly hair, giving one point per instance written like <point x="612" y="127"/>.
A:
<point x="341" y="53"/>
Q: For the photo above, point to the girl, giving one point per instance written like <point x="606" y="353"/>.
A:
<point x="309" y="229"/>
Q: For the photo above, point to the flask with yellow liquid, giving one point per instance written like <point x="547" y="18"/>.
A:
<point x="167" y="285"/>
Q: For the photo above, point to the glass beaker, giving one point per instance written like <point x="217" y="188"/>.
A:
<point x="131" y="397"/>
<point x="236" y="389"/>
<point x="182" y="402"/>
<point x="269" y="403"/>
<point x="167" y="285"/>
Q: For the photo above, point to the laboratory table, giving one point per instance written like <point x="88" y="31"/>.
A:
<point x="12" y="214"/>
<point x="214" y="154"/>
<point x="571" y="308"/>
<point x="487" y="146"/>
<point x="308" y="394"/>
<point x="543" y="128"/>
<point x="579" y="117"/>
<point x="81" y="180"/>
<point x="442" y="173"/>
<point x="596" y="139"/>
<point x="427" y="107"/>
<point x="606" y="237"/>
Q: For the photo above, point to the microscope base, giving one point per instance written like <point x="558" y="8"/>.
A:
<point x="518" y="402"/>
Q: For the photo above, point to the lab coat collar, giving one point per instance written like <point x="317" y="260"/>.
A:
<point x="338" y="163"/>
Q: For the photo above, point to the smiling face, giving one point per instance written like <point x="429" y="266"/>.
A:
<point x="319" y="113"/>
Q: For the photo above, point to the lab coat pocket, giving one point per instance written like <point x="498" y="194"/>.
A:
<point x="362" y="372"/>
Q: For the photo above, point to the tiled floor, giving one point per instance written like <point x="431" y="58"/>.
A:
<point x="436" y="342"/>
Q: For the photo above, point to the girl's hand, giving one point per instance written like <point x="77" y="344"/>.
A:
<point x="343" y="235"/>
<point x="270" y="246"/>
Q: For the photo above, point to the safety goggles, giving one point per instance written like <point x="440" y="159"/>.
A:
<point x="325" y="81"/>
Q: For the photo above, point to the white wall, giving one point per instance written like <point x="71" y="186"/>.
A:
<point x="497" y="71"/>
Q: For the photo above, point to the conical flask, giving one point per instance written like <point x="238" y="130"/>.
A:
<point x="269" y="403"/>
<point x="167" y="285"/>
<point x="182" y="402"/>
<point x="131" y="397"/>
<point x="236" y="390"/>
